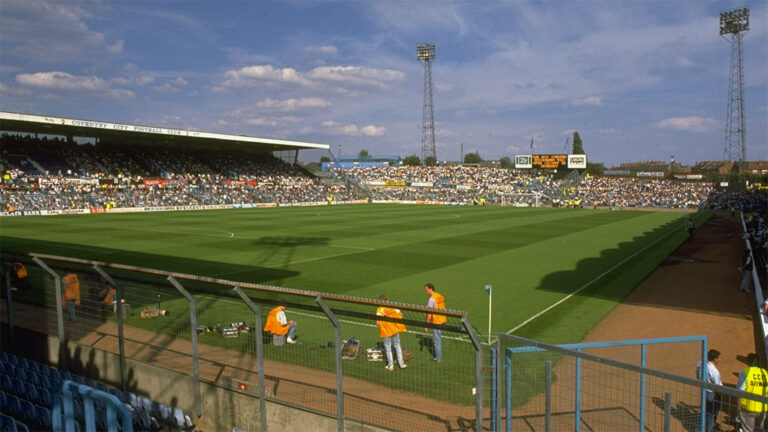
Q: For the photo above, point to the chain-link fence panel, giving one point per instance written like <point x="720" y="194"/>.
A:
<point x="543" y="387"/>
<point x="329" y="355"/>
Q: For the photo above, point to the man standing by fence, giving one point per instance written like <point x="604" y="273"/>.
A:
<point x="71" y="298"/>
<point x="437" y="301"/>
<point x="753" y="379"/>
<point x="711" y="375"/>
<point x="390" y="333"/>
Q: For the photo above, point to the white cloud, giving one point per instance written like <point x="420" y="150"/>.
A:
<point x="254" y="75"/>
<point x="689" y="124"/>
<point x="372" y="130"/>
<point x="587" y="101"/>
<point x="178" y="82"/>
<point x="354" y="130"/>
<point x="128" y="81"/>
<point x="356" y="75"/>
<point x="51" y="32"/>
<point x="339" y="75"/>
<point x="64" y="81"/>
<point x="322" y="49"/>
<point x="293" y="104"/>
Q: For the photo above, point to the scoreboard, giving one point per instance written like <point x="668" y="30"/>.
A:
<point x="551" y="161"/>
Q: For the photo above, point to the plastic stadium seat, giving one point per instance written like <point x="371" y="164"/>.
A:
<point x="13" y="360"/>
<point x="141" y="419"/>
<point x="14" y="404"/>
<point x="3" y="357"/>
<point x="181" y="420"/>
<point x="17" y="386"/>
<point x="6" y="383"/>
<point x="25" y="364"/>
<point x="101" y="387"/>
<point x="46" y="398"/>
<point x="28" y="411"/>
<point x="44" y="417"/>
<point x="7" y="423"/>
<point x="145" y="403"/>
<point x="32" y="393"/>
<point x="162" y="412"/>
<point x="21" y="427"/>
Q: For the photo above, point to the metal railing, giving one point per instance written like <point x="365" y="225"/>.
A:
<point x="212" y="330"/>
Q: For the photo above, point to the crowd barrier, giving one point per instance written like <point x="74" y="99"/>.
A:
<point x="212" y="330"/>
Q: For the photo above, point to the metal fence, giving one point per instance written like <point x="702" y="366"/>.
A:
<point x="212" y="330"/>
<point x="542" y="387"/>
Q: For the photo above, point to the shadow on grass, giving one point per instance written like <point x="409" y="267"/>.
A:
<point x="614" y="275"/>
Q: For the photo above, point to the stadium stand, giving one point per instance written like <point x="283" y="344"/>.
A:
<point x="52" y="174"/>
<point x="34" y="396"/>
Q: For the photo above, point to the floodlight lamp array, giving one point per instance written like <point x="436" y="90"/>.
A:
<point x="425" y="52"/>
<point x="734" y="22"/>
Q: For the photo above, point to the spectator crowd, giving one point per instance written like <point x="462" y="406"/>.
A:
<point x="53" y="174"/>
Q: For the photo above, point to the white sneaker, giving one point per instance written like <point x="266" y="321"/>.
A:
<point x="290" y="341"/>
<point x="403" y="366"/>
<point x="389" y="367"/>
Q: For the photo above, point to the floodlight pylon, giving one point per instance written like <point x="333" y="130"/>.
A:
<point x="733" y="25"/>
<point x="426" y="53"/>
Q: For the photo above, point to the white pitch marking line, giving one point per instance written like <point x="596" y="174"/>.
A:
<point x="361" y="250"/>
<point x="524" y="323"/>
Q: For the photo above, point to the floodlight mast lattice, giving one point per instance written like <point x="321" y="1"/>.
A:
<point x="426" y="53"/>
<point x="733" y="25"/>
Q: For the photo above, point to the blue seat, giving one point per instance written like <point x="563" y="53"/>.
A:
<point x="140" y="419"/>
<point x="44" y="417"/>
<point x="7" y="423"/>
<point x="32" y="393"/>
<point x="162" y="412"/>
<point x="3" y="357"/>
<point x="46" y="397"/>
<point x="25" y="363"/>
<point x="21" y="426"/>
<point x="13" y="360"/>
<point x="101" y="387"/>
<point x="28" y="411"/>
<point x="181" y="420"/>
<point x="17" y="386"/>
<point x="123" y="396"/>
<point x="6" y="383"/>
<point x="13" y="404"/>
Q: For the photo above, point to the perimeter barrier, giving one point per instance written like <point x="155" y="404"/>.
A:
<point x="211" y="330"/>
<point x="542" y="387"/>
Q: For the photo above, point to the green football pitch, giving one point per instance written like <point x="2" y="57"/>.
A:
<point x="555" y="272"/>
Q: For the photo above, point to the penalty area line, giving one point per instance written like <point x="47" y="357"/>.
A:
<point x="581" y="288"/>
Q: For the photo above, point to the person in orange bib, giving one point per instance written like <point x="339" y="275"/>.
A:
<point x="390" y="333"/>
<point x="71" y="298"/>
<point x="19" y="276"/>
<point x="278" y="324"/>
<point x="437" y="301"/>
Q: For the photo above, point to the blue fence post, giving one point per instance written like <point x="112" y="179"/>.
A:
<point x="494" y="390"/>
<point x="642" y="387"/>
<point x="509" y="390"/>
<point x="577" y="396"/>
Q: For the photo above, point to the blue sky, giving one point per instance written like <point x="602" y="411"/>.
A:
<point x="639" y="80"/>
